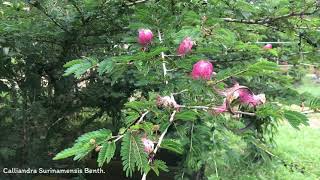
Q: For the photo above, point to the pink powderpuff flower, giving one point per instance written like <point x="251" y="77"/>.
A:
<point x="185" y="46"/>
<point x="249" y="98"/>
<point x="241" y="93"/>
<point x="145" y="37"/>
<point x="148" y="145"/>
<point x="259" y="99"/>
<point x="167" y="102"/>
<point x="267" y="46"/>
<point x="202" y="69"/>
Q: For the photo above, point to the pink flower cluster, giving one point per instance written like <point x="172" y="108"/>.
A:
<point x="241" y="93"/>
<point x="202" y="70"/>
<point x="185" y="46"/>
<point x="148" y="145"/>
<point x="145" y="37"/>
<point x="167" y="102"/>
<point x="249" y="98"/>
<point x="267" y="46"/>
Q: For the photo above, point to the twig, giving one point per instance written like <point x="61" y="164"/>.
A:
<point x="142" y="116"/>
<point x="246" y="113"/>
<point x="212" y="108"/>
<point x="56" y="122"/>
<point x="118" y="138"/>
<point x="172" y="55"/>
<point x="162" y="57"/>
<point x="191" y="137"/>
<point x="138" y="122"/>
<point x="42" y="9"/>
<point x="267" y="20"/>
<point x="194" y="107"/>
<point x="277" y="42"/>
<point x="185" y="90"/>
<point x="79" y="11"/>
<point x="144" y="176"/>
<point x="136" y="2"/>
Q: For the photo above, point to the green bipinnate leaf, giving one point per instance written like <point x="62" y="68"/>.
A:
<point x="79" y="66"/>
<point x="187" y="115"/>
<point x="106" y="153"/>
<point x="314" y="104"/>
<point x="262" y="67"/>
<point x="66" y="153"/>
<point x="295" y="118"/>
<point x="132" y="154"/>
<point x="85" y="144"/>
<point x="105" y="66"/>
<point x="172" y="145"/>
<point x="159" y="165"/>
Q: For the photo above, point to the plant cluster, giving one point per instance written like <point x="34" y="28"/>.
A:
<point x="198" y="80"/>
<point x="150" y="118"/>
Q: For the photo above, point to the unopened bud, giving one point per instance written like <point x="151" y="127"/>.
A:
<point x="92" y="141"/>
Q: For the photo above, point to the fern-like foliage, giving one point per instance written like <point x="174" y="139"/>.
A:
<point x="262" y="67"/>
<point x="106" y="153"/>
<point x="172" y="145"/>
<point x="315" y="104"/>
<point x="132" y="154"/>
<point x="295" y="118"/>
<point x="250" y="70"/>
<point x="85" y="144"/>
<point x="79" y="66"/>
<point x="159" y="165"/>
<point x="105" y="66"/>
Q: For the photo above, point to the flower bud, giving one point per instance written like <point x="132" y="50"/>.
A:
<point x="145" y="37"/>
<point x="185" y="46"/>
<point x="92" y="141"/>
<point x="148" y="145"/>
<point x="202" y="69"/>
<point x="268" y="46"/>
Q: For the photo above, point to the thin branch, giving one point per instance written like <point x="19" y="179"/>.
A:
<point x="136" y="2"/>
<point x="268" y="20"/>
<point x="163" y="61"/>
<point x="276" y="42"/>
<point x="142" y="116"/>
<point x="245" y="113"/>
<point x="246" y="21"/>
<point x="172" y="55"/>
<point x="83" y="20"/>
<point x="42" y="9"/>
<point x="190" y="148"/>
<point x="135" y="123"/>
<point x="185" y="90"/>
<point x="194" y="107"/>
<point x="213" y="108"/>
<point x="118" y="138"/>
<point x="144" y="176"/>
